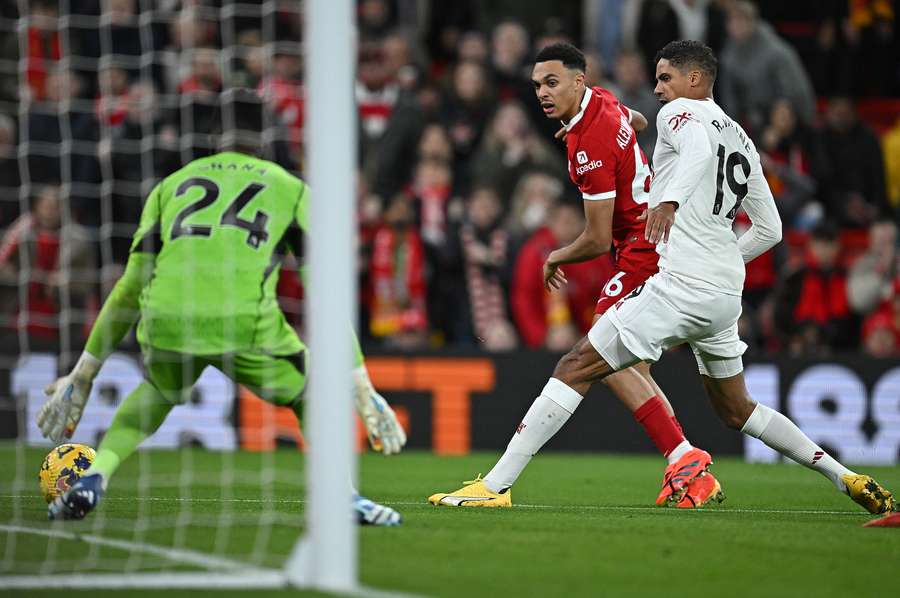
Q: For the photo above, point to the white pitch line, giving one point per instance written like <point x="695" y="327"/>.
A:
<point x="174" y="554"/>
<point x="517" y="506"/>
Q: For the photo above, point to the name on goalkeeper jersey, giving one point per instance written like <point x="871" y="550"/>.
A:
<point x="235" y="167"/>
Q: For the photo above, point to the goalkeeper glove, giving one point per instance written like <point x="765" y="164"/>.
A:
<point x="60" y="415"/>
<point x="385" y="433"/>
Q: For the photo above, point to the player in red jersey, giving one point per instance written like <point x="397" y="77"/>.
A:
<point x="612" y="173"/>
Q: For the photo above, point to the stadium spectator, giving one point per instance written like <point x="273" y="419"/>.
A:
<point x="473" y="47"/>
<point x="390" y="122"/>
<point x="881" y="337"/>
<point x="282" y="89"/>
<point x="595" y="74"/>
<point x="854" y="188"/>
<point x="649" y="25"/>
<point x="510" y="47"/>
<point x="509" y="149"/>
<point x="399" y="61"/>
<point x="758" y="68"/>
<point x="189" y="29"/>
<point x="532" y="199"/>
<point x="205" y="77"/>
<point x="793" y="161"/>
<point x="434" y="144"/>
<point x="110" y="106"/>
<point x="124" y="33"/>
<point x="34" y="247"/>
<point x="42" y="44"/>
<point x="432" y="188"/>
<point x="869" y="31"/>
<point x="890" y="144"/>
<point x="250" y="66"/>
<point x="398" y="311"/>
<point x="48" y="122"/>
<point x="374" y="19"/>
<point x="812" y="310"/>
<point x="634" y="91"/>
<point x="482" y="246"/>
<point x="9" y="172"/>
<point x="143" y="119"/>
<point x="465" y="110"/>
<point x="556" y="320"/>
<point x="871" y="279"/>
<point x="881" y="330"/>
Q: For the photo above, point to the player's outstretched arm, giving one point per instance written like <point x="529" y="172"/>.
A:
<point x="68" y="396"/>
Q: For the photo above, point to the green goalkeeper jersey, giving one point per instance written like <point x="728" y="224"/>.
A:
<point x="220" y="227"/>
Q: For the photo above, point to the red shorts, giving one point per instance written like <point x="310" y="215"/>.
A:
<point x="630" y="273"/>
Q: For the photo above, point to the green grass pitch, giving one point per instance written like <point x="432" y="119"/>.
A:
<point x="582" y="525"/>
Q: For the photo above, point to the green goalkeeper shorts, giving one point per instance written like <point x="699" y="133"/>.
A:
<point x="276" y="379"/>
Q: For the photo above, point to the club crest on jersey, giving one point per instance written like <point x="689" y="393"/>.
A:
<point x="676" y="120"/>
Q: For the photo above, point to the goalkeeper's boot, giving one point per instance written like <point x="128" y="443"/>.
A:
<point x="368" y="512"/>
<point x="703" y="491"/>
<point x="868" y="493"/>
<point x="680" y="474"/>
<point x="473" y="494"/>
<point x="79" y="500"/>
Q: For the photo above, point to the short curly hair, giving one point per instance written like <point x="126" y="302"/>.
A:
<point x="569" y="55"/>
<point x="690" y="53"/>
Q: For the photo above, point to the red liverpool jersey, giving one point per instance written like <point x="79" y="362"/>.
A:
<point x="606" y="163"/>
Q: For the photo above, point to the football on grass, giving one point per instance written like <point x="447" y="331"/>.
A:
<point x="62" y="467"/>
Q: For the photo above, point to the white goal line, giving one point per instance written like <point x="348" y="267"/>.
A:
<point x="648" y="509"/>
<point x="177" y="555"/>
<point x="230" y="574"/>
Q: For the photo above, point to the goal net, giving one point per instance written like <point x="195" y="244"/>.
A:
<point x="100" y="100"/>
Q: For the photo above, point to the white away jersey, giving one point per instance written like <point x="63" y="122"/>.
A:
<point x="705" y="162"/>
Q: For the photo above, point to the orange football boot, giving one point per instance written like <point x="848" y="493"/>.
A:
<point x="703" y="491"/>
<point x="889" y="520"/>
<point x="679" y="475"/>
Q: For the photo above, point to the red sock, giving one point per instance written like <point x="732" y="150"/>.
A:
<point x="677" y="424"/>
<point x="662" y="428"/>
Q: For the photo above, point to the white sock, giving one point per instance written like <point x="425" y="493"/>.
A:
<point x="784" y="436"/>
<point x="679" y="451"/>
<point x="546" y="416"/>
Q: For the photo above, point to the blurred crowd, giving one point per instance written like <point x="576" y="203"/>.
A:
<point x="462" y="190"/>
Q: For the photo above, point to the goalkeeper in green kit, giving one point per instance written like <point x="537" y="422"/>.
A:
<point x="201" y="277"/>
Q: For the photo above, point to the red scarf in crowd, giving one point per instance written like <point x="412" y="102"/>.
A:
<point x="38" y="54"/>
<point x="398" y="282"/>
<point x="486" y="294"/>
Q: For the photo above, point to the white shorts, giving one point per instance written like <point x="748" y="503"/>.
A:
<point x="667" y="312"/>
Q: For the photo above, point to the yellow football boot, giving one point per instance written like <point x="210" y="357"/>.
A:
<point x="869" y="494"/>
<point x="473" y="494"/>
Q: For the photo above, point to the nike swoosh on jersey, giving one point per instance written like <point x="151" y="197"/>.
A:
<point x="457" y="501"/>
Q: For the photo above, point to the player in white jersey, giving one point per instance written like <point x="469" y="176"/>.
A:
<point x="706" y="168"/>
